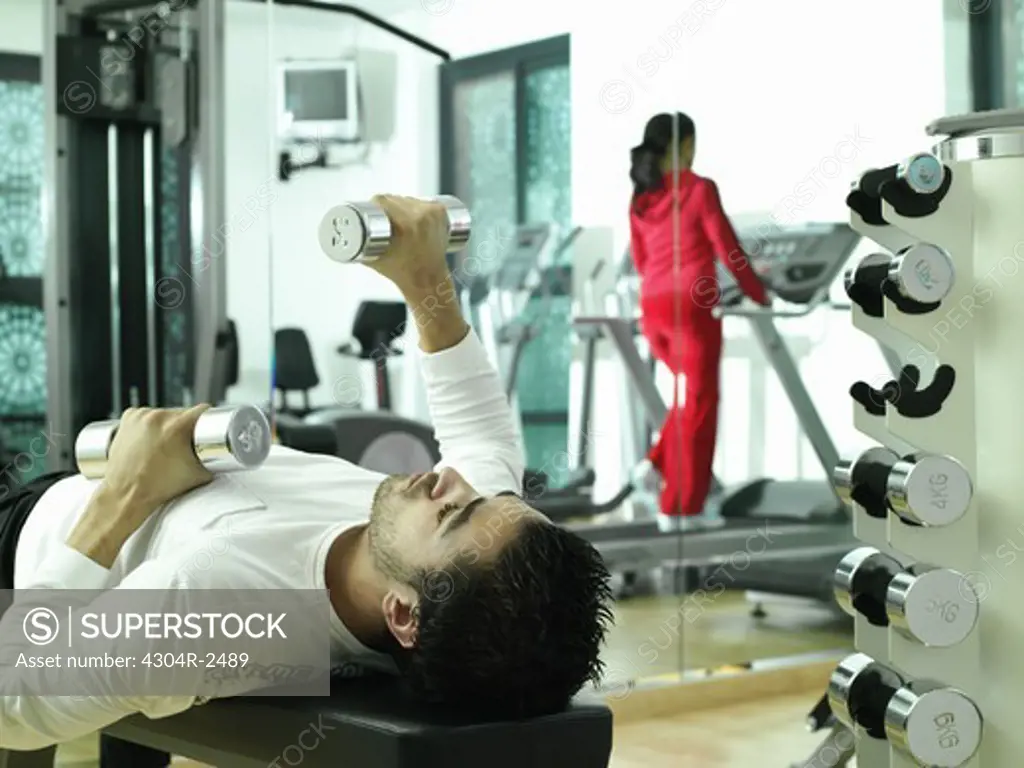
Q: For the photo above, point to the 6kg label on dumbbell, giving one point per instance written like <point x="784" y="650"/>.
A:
<point x="945" y="728"/>
<point x="947" y="610"/>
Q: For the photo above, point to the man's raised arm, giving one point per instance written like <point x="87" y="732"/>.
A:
<point x="472" y="419"/>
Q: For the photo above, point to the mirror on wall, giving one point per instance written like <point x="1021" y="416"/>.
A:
<point x="340" y="332"/>
<point x="765" y="413"/>
<point x="607" y="352"/>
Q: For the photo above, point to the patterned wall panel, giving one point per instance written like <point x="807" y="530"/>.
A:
<point x="22" y="360"/>
<point x="22" y="323"/>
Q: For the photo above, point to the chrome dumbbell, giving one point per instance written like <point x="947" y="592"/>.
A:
<point x="922" y="174"/>
<point x="935" y="607"/>
<point x="921" y="489"/>
<point x="933" y="724"/>
<point x="914" y="188"/>
<point x="922" y="273"/>
<point x="224" y="439"/>
<point x="361" y="231"/>
<point x="916" y="279"/>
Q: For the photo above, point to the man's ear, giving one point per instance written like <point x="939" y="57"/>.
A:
<point x="402" y="619"/>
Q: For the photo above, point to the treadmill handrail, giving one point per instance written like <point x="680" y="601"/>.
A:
<point x="589" y="292"/>
<point x="566" y="243"/>
<point x="820" y="298"/>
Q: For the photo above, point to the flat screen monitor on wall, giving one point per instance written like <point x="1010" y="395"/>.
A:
<point x="318" y="100"/>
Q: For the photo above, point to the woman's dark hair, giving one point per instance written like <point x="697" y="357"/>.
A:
<point x="645" y="166"/>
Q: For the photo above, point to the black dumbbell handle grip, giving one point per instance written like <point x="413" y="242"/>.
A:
<point x="871" y="181"/>
<point x="869" y="697"/>
<point x="869" y="587"/>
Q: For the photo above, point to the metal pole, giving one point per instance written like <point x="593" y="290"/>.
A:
<point x="781" y="360"/>
<point x="209" y="270"/>
<point x="369" y="18"/>
<point x="587" y="404"/>
<point x="113" y="234"/>
<point x="56" y="285"/>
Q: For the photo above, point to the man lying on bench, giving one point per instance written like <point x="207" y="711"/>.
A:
<point x="447" y="578"/>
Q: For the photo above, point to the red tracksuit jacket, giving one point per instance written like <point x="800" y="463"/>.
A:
<point x="704" y="233"/>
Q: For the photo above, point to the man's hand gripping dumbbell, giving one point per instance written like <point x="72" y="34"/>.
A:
<point x="151" y="462"/>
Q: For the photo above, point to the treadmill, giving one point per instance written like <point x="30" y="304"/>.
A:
<point x="793" y="536"/>
<point x="497" y="302"/>
<point x="799" y="266"/>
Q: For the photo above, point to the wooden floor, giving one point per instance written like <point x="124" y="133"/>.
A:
<point x="655" y="638"/>
<point x="767" y="733"/>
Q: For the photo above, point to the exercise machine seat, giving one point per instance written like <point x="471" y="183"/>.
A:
<point x="294" y="368"/>
<point x="379" y="324"/>
<point x="306" y="437"/>
<point x="372" y="723"/>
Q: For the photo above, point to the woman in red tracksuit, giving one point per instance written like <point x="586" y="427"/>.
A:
<point x="677" y="229"/>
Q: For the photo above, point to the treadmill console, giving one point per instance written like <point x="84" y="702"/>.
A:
<point x="797" y="264"/>
<point x="517" y="268"/>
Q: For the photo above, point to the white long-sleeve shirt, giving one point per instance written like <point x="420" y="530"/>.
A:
<point x="270" y="528"/>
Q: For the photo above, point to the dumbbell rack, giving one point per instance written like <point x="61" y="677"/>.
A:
<point x="969" y="205"/>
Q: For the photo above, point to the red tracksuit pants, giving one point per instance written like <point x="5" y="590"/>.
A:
<point x="688" y="339"/>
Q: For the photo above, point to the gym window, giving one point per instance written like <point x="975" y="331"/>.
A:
<point x="505" y="138"/>
<point x="505" y="150"/>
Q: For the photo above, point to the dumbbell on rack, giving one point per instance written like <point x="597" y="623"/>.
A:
<point x="361" y="231"/>
<point x="921" y="489"/>
<point x="935" y="725"/>
<point x="914" y="188"/>
<point x="934" y="607"/>
<point x="226" y="438"/>
<point x="916" y="280"/>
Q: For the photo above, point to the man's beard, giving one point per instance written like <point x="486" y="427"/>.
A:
<point x="385" y="511"/>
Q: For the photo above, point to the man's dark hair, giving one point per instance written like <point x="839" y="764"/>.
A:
<point x="517" y="636"/>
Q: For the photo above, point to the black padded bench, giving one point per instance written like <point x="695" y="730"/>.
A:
<point x="365" y="723"/>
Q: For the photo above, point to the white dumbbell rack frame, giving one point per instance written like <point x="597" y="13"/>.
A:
<point x="979" y="331"/>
